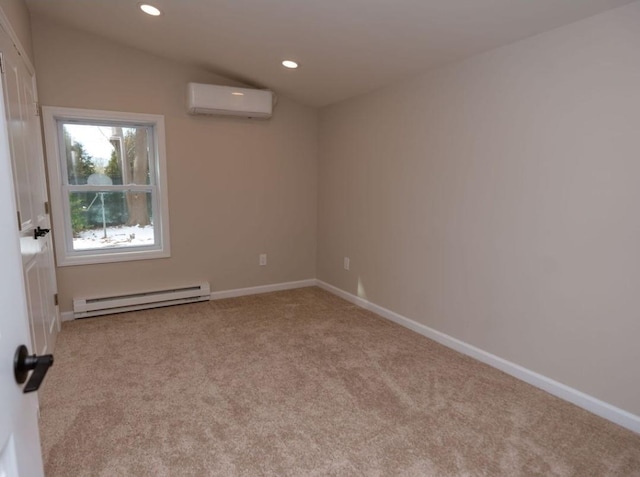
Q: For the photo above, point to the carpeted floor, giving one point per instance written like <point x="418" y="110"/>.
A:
<point x="301" y="383"/>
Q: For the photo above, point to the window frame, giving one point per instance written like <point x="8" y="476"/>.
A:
<point x="53" y="117"/>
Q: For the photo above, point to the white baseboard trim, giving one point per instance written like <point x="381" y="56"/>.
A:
<point x="580" y="399"/>
<point x="218" y="295"/>
<point x="67" y="316"/>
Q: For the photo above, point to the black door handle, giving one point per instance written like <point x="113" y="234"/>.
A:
<point x="38" y="232"/>
<point x="23" y="363"/>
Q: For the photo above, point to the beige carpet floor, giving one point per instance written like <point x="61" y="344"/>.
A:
<point x="301" y="383"/>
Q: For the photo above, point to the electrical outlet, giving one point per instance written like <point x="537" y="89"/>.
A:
<point x="263" y="259"/>
<point x="346" y="263"/>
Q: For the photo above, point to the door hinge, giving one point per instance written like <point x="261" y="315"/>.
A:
<point x="19" y="221"/>
<point x="46" y="208"/>
<point x="55" y="299"/>
<point x="37" y="108"/>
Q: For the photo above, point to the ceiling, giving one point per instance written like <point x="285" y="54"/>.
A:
<point x="344" y="47"/>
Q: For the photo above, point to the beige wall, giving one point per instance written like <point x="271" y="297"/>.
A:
<point x="237" y="187"/>
<point x="18" y="16"/>
<point x="498" y="200"/>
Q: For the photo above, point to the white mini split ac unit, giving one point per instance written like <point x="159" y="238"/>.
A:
<point x="229" y="101"/>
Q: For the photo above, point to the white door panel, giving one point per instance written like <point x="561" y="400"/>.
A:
<point x="23" y="126"/>
<point x="14" y="111"/>
<point x="20" y="453"/>
<point x="36" y="306"/>
<point x="48" y="271"/>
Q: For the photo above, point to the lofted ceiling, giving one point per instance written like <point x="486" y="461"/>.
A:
<point x="344" y="47"/>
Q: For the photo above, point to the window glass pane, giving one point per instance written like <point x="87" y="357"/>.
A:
<point x="102" y="220"/>
<point x="111" y="154"/>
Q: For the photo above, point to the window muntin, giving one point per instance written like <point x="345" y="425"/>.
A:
<point x="109" y="169"/>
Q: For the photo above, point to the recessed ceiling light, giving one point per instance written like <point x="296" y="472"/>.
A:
<point x="237" y="93"/>
<point x="150" y="9"/>
<point x="290" y="64"/>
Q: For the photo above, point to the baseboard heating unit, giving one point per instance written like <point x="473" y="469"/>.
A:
<point x="86" y="307"/>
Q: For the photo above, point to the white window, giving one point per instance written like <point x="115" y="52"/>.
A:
<point x="107" y="178"/>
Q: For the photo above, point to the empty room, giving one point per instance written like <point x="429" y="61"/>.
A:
<point x="287" y="238"/>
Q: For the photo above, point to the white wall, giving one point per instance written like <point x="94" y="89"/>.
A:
<point x="237" y="187"/>
<point x="498" y="200"/>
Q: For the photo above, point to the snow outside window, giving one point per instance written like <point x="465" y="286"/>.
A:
<point x="108" y="185"/>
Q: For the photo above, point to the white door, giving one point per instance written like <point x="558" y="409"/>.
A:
<point x="25" y="142"/>
<point x="20" y="453"/>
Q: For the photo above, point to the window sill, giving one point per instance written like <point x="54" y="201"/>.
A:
<point x="111" y="257"/>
